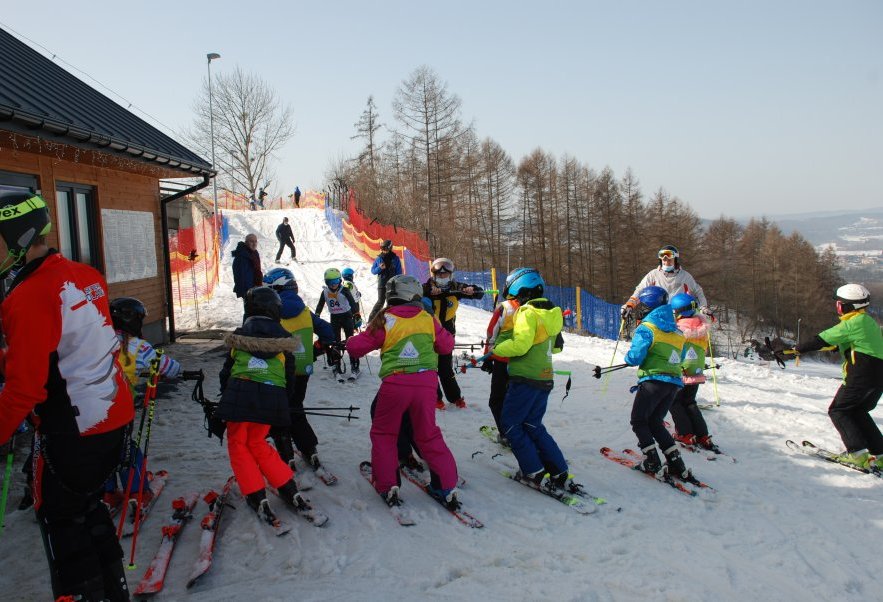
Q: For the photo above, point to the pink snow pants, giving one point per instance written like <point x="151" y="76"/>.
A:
<point x="252" y="458"/>
<point x="414" y="394"/>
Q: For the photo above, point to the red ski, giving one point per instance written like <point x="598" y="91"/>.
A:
<point x="155" y="576"/>
<point x="210" y="524"/>
<point x="632" y="463"/>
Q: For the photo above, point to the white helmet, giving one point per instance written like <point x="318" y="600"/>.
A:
<point x="852" y="296"/>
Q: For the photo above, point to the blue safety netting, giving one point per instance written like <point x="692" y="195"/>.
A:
<point x="482" y="279"/>
<point x="414" y="266"/>
<point x="335" y="222"/>
<point x="225" y="230"/>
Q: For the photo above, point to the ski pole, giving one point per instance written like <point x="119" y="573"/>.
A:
<point x="148" y="391"/>
<point x="598" y="371"/>
<point x="151" y="388"/>
<point x="566" y="373"/>
<point x="6" y="478"/>
<point x="613" y="357"/>
<point x="717" y="399"/>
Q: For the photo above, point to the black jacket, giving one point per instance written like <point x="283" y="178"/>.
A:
<point x="445" y="311"/>
<point x="284" y="233"/>
<point x="251" y="401"/>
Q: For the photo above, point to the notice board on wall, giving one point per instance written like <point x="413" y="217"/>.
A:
<point x="129" y="245"/>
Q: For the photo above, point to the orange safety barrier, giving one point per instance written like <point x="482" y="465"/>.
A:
<point x="194" y="263"/>
<point x="375" y="230"/>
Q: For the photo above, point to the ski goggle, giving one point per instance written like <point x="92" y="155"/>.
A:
<point x="667" y="254"/>
<point x="443" y="267"/>
<point x="333" y="282"/>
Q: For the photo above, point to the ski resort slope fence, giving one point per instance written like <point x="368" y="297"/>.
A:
<point x="193" y="255"/>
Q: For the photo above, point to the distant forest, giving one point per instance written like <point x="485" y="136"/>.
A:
<point x="579" y="225"/>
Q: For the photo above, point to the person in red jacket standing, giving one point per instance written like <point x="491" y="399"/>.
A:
<point x="62" y="365"/>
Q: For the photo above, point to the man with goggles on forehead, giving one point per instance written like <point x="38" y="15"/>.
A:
<point x="670" y="276"/>
<point x="445" y="293"/>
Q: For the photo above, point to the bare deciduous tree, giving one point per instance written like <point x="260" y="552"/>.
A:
<point x="250" y="125"/>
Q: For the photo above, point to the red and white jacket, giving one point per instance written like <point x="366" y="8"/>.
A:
<point x="501" y="321"/>
<point x="62" y="360"/>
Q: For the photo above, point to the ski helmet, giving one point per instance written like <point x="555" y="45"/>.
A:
<point x="281" y="279"/>
<point x="851" y="297"/>
<point x="332" y="277"/>
<point x="263" y="301"/>
<point x="525" y="284"/>
<point x="23" y="217"/>
<point x="403" y="289"/>
<point x="128" y="315"/>
<point x="348" y="274"/>
<point x="386" y="245"/>
<point x="684" y="304"/>
<point x="653" y="297"/>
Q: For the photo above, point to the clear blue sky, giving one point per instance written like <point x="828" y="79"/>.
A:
<point x="738" y="108"/>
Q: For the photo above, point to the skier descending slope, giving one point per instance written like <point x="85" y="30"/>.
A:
<point x="410" y="340"/>
<point x="657" y="349"/>
<point x="256" y="381"/>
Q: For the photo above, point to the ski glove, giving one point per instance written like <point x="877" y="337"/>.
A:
<point x="625" y="311"/>
<point x="488" y="365"/>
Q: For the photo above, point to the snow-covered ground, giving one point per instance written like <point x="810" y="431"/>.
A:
<point x="781" y="526"/>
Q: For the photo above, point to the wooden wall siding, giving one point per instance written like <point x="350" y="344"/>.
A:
<point x="119" y="184"/>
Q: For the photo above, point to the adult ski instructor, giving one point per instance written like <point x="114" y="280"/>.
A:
<point x="671" y="277"/>
<point x="385" y="267"/>
<point x="62" y="364"/>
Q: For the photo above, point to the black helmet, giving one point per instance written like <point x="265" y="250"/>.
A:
<point x="386" y="245"/>
<point x="23" y="217"/>
<point x="263" y="301"/>
<point x="128" y="315"/>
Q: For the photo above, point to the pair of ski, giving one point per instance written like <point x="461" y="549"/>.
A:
<point x="632" y="459"/>
<point x="401" y="513"/>
<point x="154" y="577"/>
<point x="491" y="433"/>
<point x="810" y="449"/>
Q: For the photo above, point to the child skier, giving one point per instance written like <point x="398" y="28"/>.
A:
<point x="298" y="320"/>
<point x="344" y="315"/>
<point x="348" y="274"/>
<point x="445" y="294"/>
<point x="410" y="340"/>
<point x="657" y="350"/>
<point x="536" y="335"/>
<point x="256" y="382"/>
<point x="690" y="427"/>
<point x="860" y="343"/>
<point x="136" y="354"/>
<point x="499" y="329"/>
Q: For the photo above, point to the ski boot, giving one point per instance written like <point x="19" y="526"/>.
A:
<point x="687" y="439"/>
<point x="448" y="496"/>
<point x="534" y="479"/>
<point x="651" y="464"/>
<point x="439" y="404"/>
<point x="676" y="466"/>
<point x="412" y="463"/>
<point x="564" y="480"/>
<point x="291" y="496"/>
<point x="859" y="459"/>
<point x="460" y="403"/>
<point x="391" y="497"/>
<point x="706" y="443"/>
<point x="258" y="502"/>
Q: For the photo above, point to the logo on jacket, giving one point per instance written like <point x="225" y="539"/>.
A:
<point x="93" y="291"/>
<point x="409" y="352"/>
<point x="691" y="354"/>
<point x="256" y="363"/>
<point x="674" y="358"/>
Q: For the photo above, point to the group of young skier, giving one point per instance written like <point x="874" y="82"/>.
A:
<point x="83" y="426"/>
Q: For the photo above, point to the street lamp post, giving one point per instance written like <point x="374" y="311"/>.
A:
<point x="798" y="330"/>
<point x="211" y="119"/>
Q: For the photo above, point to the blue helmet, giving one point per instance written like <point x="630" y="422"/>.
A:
<point x="348" y="274"/>
<point x="652" y="297"/>
<point x="524" y="283"/>
<point x="684" y="304"/>
<point x="280" y="279"/>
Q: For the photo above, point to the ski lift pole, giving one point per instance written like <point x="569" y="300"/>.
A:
<point x="612" y="357"/>
<point x="717" y="399"/>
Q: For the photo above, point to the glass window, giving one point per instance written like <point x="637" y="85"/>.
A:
<point x="77" y="223"/>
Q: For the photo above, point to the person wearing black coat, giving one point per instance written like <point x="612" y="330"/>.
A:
<point x="286" y="239"/>
<point x="256" y="381"/>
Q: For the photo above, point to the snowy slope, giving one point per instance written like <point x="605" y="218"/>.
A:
<point x="781" y="527"/>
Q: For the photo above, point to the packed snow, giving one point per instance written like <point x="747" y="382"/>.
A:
<point x="781" y="526"/>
